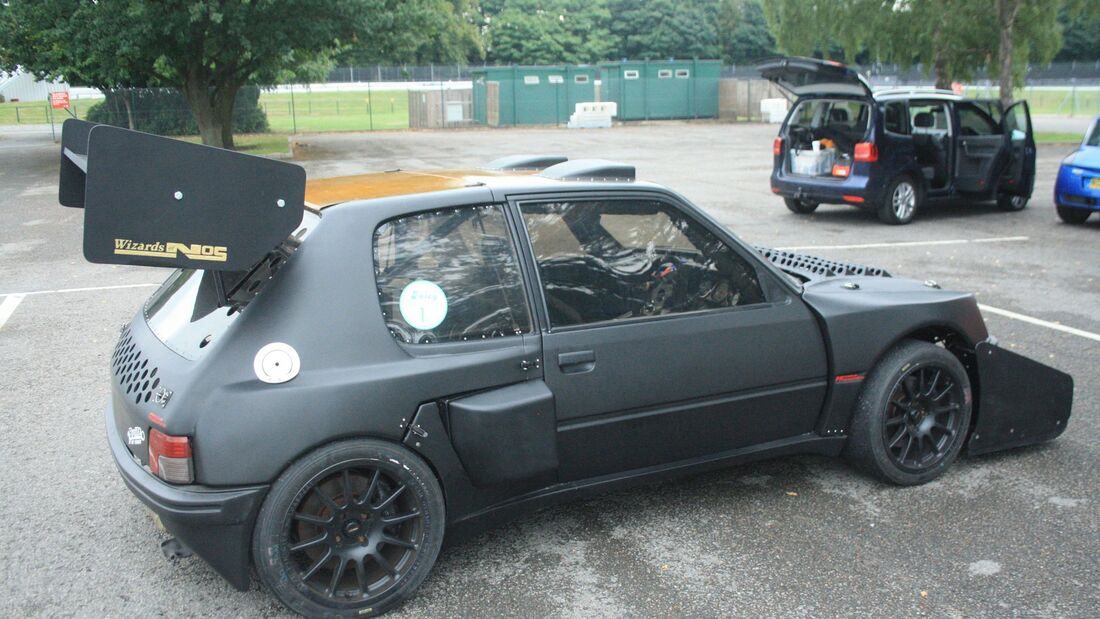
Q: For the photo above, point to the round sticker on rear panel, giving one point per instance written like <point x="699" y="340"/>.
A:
<point x="423" y="305"/>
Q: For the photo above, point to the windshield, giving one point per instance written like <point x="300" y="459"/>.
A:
<point x="1093" y="138"/>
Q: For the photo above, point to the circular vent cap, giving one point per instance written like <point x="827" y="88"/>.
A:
<point x="276" y="363"/>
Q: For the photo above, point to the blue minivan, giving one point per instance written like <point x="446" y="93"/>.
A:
<point x="892" y="151"/>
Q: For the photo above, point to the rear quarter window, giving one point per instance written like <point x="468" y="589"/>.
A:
<point x="449" y="276"/>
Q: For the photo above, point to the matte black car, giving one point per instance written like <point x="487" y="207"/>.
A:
<point x="327" y="391"/>
<point x="890" y="151"/>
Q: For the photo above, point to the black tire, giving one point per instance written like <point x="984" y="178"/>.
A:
<point x="390" y="532"/>
<point x="927" y="389"/>
<point x="900" y="202"/>
<point x="1072" y="215"/>
<point x="802" y="207"/>
<point x="1010" y="202"/>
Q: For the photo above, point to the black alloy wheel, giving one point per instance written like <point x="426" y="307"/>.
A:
<point x="922" y="417"/>
<point x="349" y="530"/>
<point x="913" y="414"/>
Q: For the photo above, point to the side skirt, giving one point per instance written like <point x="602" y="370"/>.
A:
<point x="465" y="525"/>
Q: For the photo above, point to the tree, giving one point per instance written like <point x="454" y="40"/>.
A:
<point x="743" y="33"/>
<point x="664" y="28"/>
<point x="956" y="38"/>
<point x="546" y="31"/>
<point x="208" y="49"/>
<point x="1079" y="35"/>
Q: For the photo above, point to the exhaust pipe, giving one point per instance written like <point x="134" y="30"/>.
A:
<point x="173" y="549"/>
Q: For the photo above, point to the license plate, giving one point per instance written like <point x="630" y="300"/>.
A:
<point x="1094" y="183"/>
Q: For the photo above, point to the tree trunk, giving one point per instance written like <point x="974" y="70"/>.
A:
<point x="939" y="66"/>
<point x="1007" y="10"/>
<point x="212" y="107"/>
<point x="126" y="101"/>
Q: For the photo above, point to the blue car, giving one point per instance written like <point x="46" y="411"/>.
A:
<point x="1077" y="192"/>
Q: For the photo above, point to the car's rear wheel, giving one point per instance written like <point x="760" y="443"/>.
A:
<point x="901" y="202"/>
<point x="349" y="530"/>
<point x="912" y="416"/>
<point x="802" y="207"/>
<point x="1010" y="202"/>
<point x="1072" y="215"/>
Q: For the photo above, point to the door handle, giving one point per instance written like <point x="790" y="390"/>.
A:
<point x="577" y="362"/>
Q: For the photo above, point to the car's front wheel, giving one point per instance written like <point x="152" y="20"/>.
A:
<point x="1010" y="202"/>
<point x="912" y="415"/>
<point x="802" y="207"/>
<point x="349" y="530"/>
<point x="1072" y="215"/>
<point x="900" y="203"/>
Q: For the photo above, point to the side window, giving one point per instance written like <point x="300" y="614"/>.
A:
<point x="618" y="259"/>
<point x="450" y="275"/>
<point x="895" y="120"/>
<point x="973" y="120"/>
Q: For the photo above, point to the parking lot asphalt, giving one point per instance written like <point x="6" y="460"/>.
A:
<point x="1011" y="534"/>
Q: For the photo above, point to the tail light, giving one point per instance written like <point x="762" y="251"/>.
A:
<point x="777" y="146"/>
<point x="867" y="152"/>
<point x="842" y="170"/>
<point x="170" y="457"/>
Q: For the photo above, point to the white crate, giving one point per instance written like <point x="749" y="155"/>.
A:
<point x="813" y="163"/>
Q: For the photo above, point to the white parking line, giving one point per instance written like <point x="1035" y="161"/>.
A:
<point x="1001" y="239"/>
<point x="65" y="290"/>
<point x="1042" y="323"/>
<point x="7" y="308"/>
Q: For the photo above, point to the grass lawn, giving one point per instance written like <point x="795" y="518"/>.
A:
<point x="336" y="111"/>
<point x="1053" y="101"/>
<point x="1057" y="137"/>
<point x="38" y="112"/>
<point x="254" y="143"/>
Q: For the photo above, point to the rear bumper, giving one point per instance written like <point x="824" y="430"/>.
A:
<point x="214" y="523"/>
<point x="856" y="190"/>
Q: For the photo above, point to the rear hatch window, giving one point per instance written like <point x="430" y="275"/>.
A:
<point x="185" y="312"/>
<point x="193" y="308"/>
<point x="823" y="133"/>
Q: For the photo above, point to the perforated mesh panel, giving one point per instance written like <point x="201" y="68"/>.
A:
<point x="812" y="267"/>
<point x="136" y="377"/>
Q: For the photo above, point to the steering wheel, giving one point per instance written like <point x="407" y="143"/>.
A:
<point x="665" y="286"/>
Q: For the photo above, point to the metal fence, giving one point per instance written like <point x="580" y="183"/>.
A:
<point x="439" y="96"/>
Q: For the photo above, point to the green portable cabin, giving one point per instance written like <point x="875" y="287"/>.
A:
<point x="543" y="95"/>
<point x="655" y="89"/>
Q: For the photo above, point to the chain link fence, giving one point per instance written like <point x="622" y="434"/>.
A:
<point x="377" y="97"/>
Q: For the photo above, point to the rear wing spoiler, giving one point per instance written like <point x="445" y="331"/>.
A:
<point x="161" y="202"/>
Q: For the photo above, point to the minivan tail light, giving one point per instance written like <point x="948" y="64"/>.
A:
<point x="170" y="457"/>
<point x="866" y="152"/>
<point x="777" y="146"/>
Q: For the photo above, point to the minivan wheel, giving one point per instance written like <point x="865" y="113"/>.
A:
<point x="1072" y="215"/>
<point x="912" y="416"/>
<point x="351" y="529"/>
<point x="802" y="207"/>
<point x="902" y="199"/>
<point x="1010" y="202"/>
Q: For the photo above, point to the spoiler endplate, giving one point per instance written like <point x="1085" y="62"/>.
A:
<point x="162" y="202"/>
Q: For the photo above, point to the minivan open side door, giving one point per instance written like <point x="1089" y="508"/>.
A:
<point x="979" y="148"/>
<point x="1019" y="174"/>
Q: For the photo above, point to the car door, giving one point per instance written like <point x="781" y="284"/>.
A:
<point x="662" y="339"/>
<point x="980" y="147"/>
<point x="1019" y="175"/>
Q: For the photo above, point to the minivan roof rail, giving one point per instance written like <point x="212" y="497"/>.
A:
<point x="916" y="91"/>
